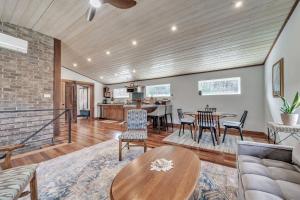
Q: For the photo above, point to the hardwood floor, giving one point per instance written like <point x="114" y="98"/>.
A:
<point x="89" y="132"/>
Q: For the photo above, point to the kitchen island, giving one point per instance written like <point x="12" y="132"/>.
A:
<point x="118" y="112"/>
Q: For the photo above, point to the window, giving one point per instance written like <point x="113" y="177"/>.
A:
<point x="158" y="90"/>
<point x="225" y="86"/>
<point x="120" y="93"/>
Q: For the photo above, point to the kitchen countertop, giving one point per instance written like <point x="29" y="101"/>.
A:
<point x="127" y="105"/>
<point x="110" y="104"/>
<point x="143" y="106"/>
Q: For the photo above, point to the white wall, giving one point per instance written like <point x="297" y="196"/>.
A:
<point x="185" y="94"/>
<point x="70" y="75"/>
<point x="287" y="47"/>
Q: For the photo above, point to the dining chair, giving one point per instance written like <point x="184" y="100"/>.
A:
<point x="136" y="130"/>
<point x="206" y="121"/>
<point x="158" y="116"/>
<point x="235" y="125"/>
<point x="185" y="121"/>
<point x="169" y="113"/>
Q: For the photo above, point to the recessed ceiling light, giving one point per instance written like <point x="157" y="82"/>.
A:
<point x="133" y="70"/>
<point x="101" y="77"/>
<point x="174" y="28"/>
<point x="89" y="59"/>
<point x="95" y="3"/>
<point x="134" y="42"/>
<point x="238" y="4"/>
<point x="107" y="52"/>
<point x="75" y="65"/>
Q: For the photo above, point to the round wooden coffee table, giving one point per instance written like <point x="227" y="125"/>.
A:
<point x="137" y="181"/>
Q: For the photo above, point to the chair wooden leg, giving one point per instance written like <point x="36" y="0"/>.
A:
<point x="200" y="134"/>
<point x="215" y="132"/>
<point x="191" y="131"/>
<point x="158" y="124"/>
<point x="153" y="122"/>
<point x="225" y="132"/>
<point x="183" y="128"/>
<point x="120" y="150"/>
<point x="7" y="161"/>
<point x="145" y="146"/>
<point x="172" y="121"/>
<point x="219" y="127"/>
<point x="179" y="129"/>
<point x="166" y="119"/>
<point x="212" y="136"/>
<point x="33" y="188"/>
<point x="241" y="133"/>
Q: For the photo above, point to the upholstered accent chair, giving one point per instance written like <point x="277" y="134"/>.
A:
<point x="13" y="181"/>
<point x="136" y="130"/>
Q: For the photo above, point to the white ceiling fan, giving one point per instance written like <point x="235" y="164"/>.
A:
<point x="94" y="4"/>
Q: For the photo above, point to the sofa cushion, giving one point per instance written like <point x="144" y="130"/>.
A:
<point x="277" y="163"/>
<point x="284" y="175"/>
<point x="254" y="168"/>
<point x="134" y="135"/>
<point x="252" y="159"/>
<point x="13" y="181"/>
<point x="266" y="162"/>
<point x="261" y="183"/>
<point x="289" y="190"/>
<point x="258" y="195"/>
<point x="296" y="155"/>
<point x="268" y="179"/>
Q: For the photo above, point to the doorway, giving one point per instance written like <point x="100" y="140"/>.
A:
<point x="83" y="106"/>
<point x="79" y="97"/>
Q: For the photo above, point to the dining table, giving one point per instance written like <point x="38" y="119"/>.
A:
<point x="217" y="117"/>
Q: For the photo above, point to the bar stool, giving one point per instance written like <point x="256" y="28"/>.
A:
<point x="169" y="109"/>
<point x="158" y="116"/>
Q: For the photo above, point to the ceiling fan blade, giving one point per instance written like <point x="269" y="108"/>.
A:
<point x="91" y="12"/>
<point x="123" y="4"/>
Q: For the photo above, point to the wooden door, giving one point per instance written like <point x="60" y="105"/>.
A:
<point x="71" y="99"/>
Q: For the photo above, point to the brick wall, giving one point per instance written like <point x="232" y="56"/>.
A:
<point x="24" y="79"/>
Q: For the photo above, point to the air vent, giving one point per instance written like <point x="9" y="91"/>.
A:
<point x="13" y="43"/>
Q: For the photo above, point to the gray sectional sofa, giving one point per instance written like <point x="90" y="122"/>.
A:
<point x="268" y="172"/>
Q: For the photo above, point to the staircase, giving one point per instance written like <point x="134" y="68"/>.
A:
<point x="35" y="129"/>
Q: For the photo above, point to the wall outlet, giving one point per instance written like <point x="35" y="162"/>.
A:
<point x="47" y="95"/>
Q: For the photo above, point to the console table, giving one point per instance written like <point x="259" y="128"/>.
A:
<point x="275" y="128"/>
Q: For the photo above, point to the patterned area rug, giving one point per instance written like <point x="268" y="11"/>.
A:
<point x="87" y="174"/>
<point x="229" y="146"/>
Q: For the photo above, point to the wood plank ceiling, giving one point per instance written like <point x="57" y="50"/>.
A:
<point x="211" y="34"/>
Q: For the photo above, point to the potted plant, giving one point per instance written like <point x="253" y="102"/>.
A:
<point x="288" y="116"/>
